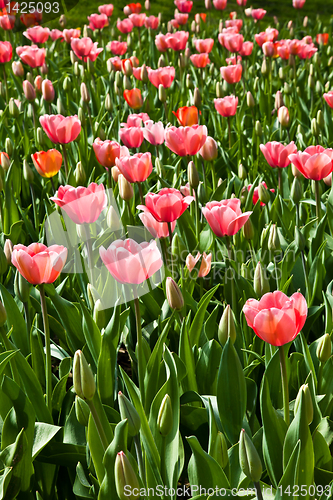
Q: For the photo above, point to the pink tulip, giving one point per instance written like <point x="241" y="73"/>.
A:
<point x="298" y="4"/>
<point x="283" y="51"/>
<point x="106" y="152"/>
<point x="226" y="106"/>
<point x="225" y="217"/>
<point x="255" y="197"/>
<point x="98" y="21"/>
<point x="29" y="91"/>
<point x="136" y="168"/>
<point x="152" y="22"/>
<point x="233" y="60"/>
<point x="187" y="191"/>
<point x="205" y="265"/>
<point x="7" y="22"/>
<point x="220" y="4"/>
<point x="177" y="41"/>
<point x="106" y="9"/>
<point x="38" y="263"/>
<point x="234" y="23"/>
<point x="200" y="60"/>
<point x="70" y="34"/>
<point x="306" y="51"/>
<point x="83" y="205"/>
<point x="136" y="120"/>
<point x="294" y="46"/>
<point x="314" y="163"/>
<point x="232" y="74"/>
<point x="56" y="35"/>
<point x="174" y="24"/>
<point x="162" y="76"/>
<point x="246" y="49"/>
<point x="209" y="149"/>
<point x="125" y="26"/>
<point x="329" y="98"/>
<point x="161" y="42"/>
<point x="204" y="45"/>
<point x="276" y="154"/>
<point x="85" y="48"/>
<point x="37" y="34"/>
<point x="268" y="49"/>
<point x="60" y="129"/>
<point x="118" y="48"/>
<point x="116" y="62"/>
<point x="185" y="140"/>
<point x="242" y="3"/>
<point x="132" y="137"/>
<point x="270" y="35"/>
<point x="258" y="14"/>
<point x="154" y="132"/>
<point x="233" y="42"/>
<point x="6" y="52"/>
<point x="156" y="229"/>
<point x="48" y="91"/>
<point x="31" y="55"/>
<point x="181" y="18"/>
<point x="138" y="20"/>
<point x="166" y="206"/>
<point x="184" y="5"/>
<point x="131" y="262"/>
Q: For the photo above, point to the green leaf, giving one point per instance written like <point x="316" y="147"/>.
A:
<point x="189" y="383"/>
<point x="91" y="333"/>
<point x="196" y="326"/>
<point x="15" y="320"/>
<point x="290" y="475"/>
<point x="43" y="434"/>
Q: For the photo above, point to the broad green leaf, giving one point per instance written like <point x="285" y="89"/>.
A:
<point x="196" y="326"/>
<point x="15" y="320"/>
<point x="43" y="434"/>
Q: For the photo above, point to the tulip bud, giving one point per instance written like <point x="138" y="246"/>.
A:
<point x="178" y="248"/>
<point x="283" y="116"/>
<point x="278" y="100"/>
<point x="220" y="26"/>
<point x="220" y="450"/>
<point x="174" y="295"/>
<point x="305" y="21"/>
<point x="219" y="90"/>
<point x="161" y="61"/>
<point x="197" y="97"/>
<point x="128" y="68"/>
<point x="314" y="127"/>
<point x="80" y="175"/>
<point x="242" y="173"/>
<point x="192" y="175"/>
<point x="115" y="172"/>
<point x="99" y="314"/>
<point x="125" y="188"/>
<point x="67" y="84"/>
<point x="273" y="239"/>
<point x="127" y="411"/>
<point x="5" y="162"/>
<point x="287" y="89"/>
<point x="27" y="172"/>
<point x="48" y="91"/>
<point x="82" y="411"/>
<point x="320" y="119"/>
<point x="263" y="194"/>
<point x="260" y="281"/>
<point x="299" y="239"/>
<point x="8" y="250"/>
<point x="29" y="91"/>
<point x="264" y="68"/>
<point x="324" y="348"/>
<point x="319" y="87"/>
<point x="189" y="83"/>
<point x="81" y="116"/>
<point x="307" y="402"/>
<point x="281" y="74"/>
<point x="249" y="459"/>
<point x="125" y="476"/>
<point x="162" y="93"/>
<point x="40" y="136"/>
<point x="112" y="220"/>
<point x="208" y="4"/>
<point x="202" y="194"/>
<point x="165" y="416"/>
<point x="147" y="5"/>
<point x="248" y="230"/>
<point x="329" y="64"/>
<point x="209" y="149"/>
<point x="316" y="58"/>
<point x="296" y="191"/>
<point x="83" y="378"/>
<point x="44" y="69"/>
<point x="9" y="146"/>
<point x="127" y="83"/>
<point x="227" y="328"/>
<point x="258" y="128"/>
<point x="3" y="314"/>
<point x="108" y="103"/>
<point x="84" y="93"/>
<point x="18" y="69"/>
<point x="30" y="78"/>
<point x="295" y="171"/>
<point x="311" y="82"/>
<point x="60" y="107"/>
<point x="21" y="288"/>
<point x="249" y="100"/>
<point x="144" y="74"/>
<point x="62" y="20"/>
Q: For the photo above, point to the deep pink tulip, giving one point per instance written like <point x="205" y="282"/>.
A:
<point x="106" y="9"/>
<point x="61" y="129"/>
<point x="233" y="42"/>
<point x="184" y="5"/>
<point x="177" y="41"/>
<point x="314" y="163"/>
<point x="209" y="149"/>
<point x="131" y="262"/>
<point x="156" y="229"/>
<point x="225" y="217"/>
<point x="94" y="53"/>
<point x="234" y="23"/>
<point x="298" y="4"/>
<point x="31" y="55"/>
<point x="125" y="26"/>
<point x="232" y="74"/>
<point x="246" y="49"/>
<point x="83" y="205"/>
<point x="98" y="21"/>
<point x="270" y="35"/>
<point x="277" y="154"/>
<point x="174" y="24"/>
<point x="268" y="49"/>
<point x="132" y="137"/>
<point x="82" y="46"/>
<point x="186" y="140"/>
<point x="294" y="46"/>
<point x="106" y="152"/>
<point x="70" y="34"/>
<point x="37" y="34"/>
<point x="56" y="35"/>
<point x="7" y="22"/>
<point x="138" y="20"/>
<point x="161" y="42"/>
<point x="226" y="106"/>
<point x="154" y="132"/>
<point x="258" y="14"/>
<point x="136" y="120"/>
<point x="283" y="50"/>
<point x="220" y="4"/>
<point x="200" y="60"/>
<point x="306" y="51"/>
<point x="206" y="263"/>
<point x="162" y="76"/>
<point x="152" y="22"/>
<point x="29" y="91"/>
<point x="205" y="45"/>
<point x="6" y="52"/>
<point x="329" y="98"/>
<point x="116" y="62"/>
<point x="166" y="206"/>
<point x="181" y="19"/>
<point x="255" y="197"/>
<point x="242" y="3"/>
<point x="38" y="263"/>
<point x="117" y="48"/>
<point x="136" y="168"/>
<point x="48" y="91"/>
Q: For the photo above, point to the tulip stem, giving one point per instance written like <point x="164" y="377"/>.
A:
<point x="320" y="376"/>
<point x="34" y="206"/>
<point x="6" y="84"/>
<point x="141" y="194"/>
<point x="89" y="253"/>
<point x="318" y="208"/>
<point x="65" y="160"/>
<point x="197" y="215"/>
<point x="233" y="291"/>
<point x="98" y="424"/>
<point x="138" y="450"/>
<point x="285" y="390"/>
<point x="48" y="366"/>
<point x="213" y="177"/>
<point x="280" y="184"/>
<point x="258" y="490"/>
<point x="229" y="131"/>
<point x="53" y="186"/>
<point x="140" y="349"/>
<point x="170" y="237"/>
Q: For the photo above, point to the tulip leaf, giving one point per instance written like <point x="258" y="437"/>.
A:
<point x="15" y="319"/>
<point x="196" y="326"/>
<point x="290" y="475"/>
<point x="189" y="383"/>
<point x="207" y="367"/>
<point x="91" y="333"/>
<point x="43" y="434"/>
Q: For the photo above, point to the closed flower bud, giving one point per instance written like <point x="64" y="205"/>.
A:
<point x="108" y="103"/>
<point x="27" y="172"/>
<point x="273" y="239"/>
<point x="305" y="21"/>
<point x="125" y="188"/>
<point x="83" y="378"/>
<point x="202" y="194"/>
<point x="60" y="107"/>
<point x="320" y="119"/>
<point x="13" y="109"/>
<point x="162" y="93"/>
<point x="144" y="74"/>
<point x="165" y="416"/>
<point x="84" y="93"/>
<point x="249" y="100"/>
<point x="93" y="295"/>
<point x="319" y="87"/>
<point x="249" y="459"/>
<point x="48" y="91"/>
<point x="220" y="450"/>
<point x="304" y="392"/>
<point x="74" y="60"/>
<point x="127" y="84"/>
<point x="295" y="171"/>
<point x="278" y="100"/>
<point x="99" y="314"/>
<point x="314" y="127"/>
<point x="44" y="69"/>
<point x="227" y="328"/>
<point x="18" y="69"/>
<point x="248" y="230"/>
<point x="264" y="68"/>
<point x="296" y="191"/>
<point x="30" y="78"/>
<point x="62" y="20"/>
<point x="67" y="84"/>
<point x="281" y="73"/>
<point x="21" y="288"/>
<point x="197" y="97"/>
<point x="311" y="81"/>
<point x="329" y="64"/>
<point x="125" y="477"/>
<point x="219" y="90"/>
<point x="181" y="61"/>
<point x="112" y="220"/>
<point x="40" y="136"/>
<point x="161" y="61"/>
<point x="128" y="68"/>
<point x="82" y="411"/>
<point x="9" y="146"/>
<point x="8" y="250"/>
<point x="174" y="295"/>
<point x="5" y="162"/>
<point x="192" y="175"/>
<point x="260" y="281"/>
<point x="283" y="116"/>
<point x="115" y="172"/>
<point x="263" y="194"/>
<point x="80" y="175"/>
<point x="258" y="128"/>
<point x="299" y="239"/>
<point x="81" y="116"/>
<point x="242" y="173"/>
<point x="3" y="314"/>
<point x="128" y="411"/>
<point x="287" y="89"/>
<point x="324" y="348"/>
<point x="209" y="149"/>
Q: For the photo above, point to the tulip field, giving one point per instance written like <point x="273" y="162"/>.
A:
<point x="166" y="251"/>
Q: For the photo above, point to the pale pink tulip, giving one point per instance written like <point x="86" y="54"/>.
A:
<point x="136" y="168"/>
<point x="185" y="140"/>
<point x="205" y="45"/>
<point x="156" y="229"/>
<point x="177" y="41"/>
<point x="205" y="265"/>
<point x="98" y="21"/>
<point x="162" y="76"/>
<point x="152" y="22"/>
<point x="132" y="137"/>
<point x="233" y="42"/>
<point x="314" y="163"/>
<point x="225" y="217"/>
<point x="246" y="49"/>
<point x="61" y="129"/>
<point x="277" y="154"/>
<point x="226" y="106"/>
<point x="232" y="74"/>
<point x="37" y="34"/>
<point x="31" y="55"/>
<point x="154" y="132"/>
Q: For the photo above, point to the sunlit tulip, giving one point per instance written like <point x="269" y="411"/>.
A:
<point x="315" y="162"/>
<point x="138" y="20"/>
<point x="106" y="9"/>
<point x="7" y="22"/>
<point x="136" y="120"/>
<point x="161" y="42"/>
<point x="31" y="55"/>
<point x="298" y="4"/>
<point x="132" y="137"/>
<point x="205" y="265"/>
<point x="18" y="69"/>
<point x="47" y="163"/>
<point x="329" y="98"/>
<point x="177" y="41"/>
<point x="232" y="74"/>
<point x="226" y="106"/>
<point x="37" y="34"/>
<point x="181" y="19"/>
<point x="118" y="48"/>
<point x="167" y="205"/>
<point x="276" y="154"/>
<point x="133" y="98"/>
<point x="135" y="8"/>
<point x="283" y="116"/>
<point x="70" y="34"/>
<point x="61" y="129"/>
<point x="98" y="21"/>
<point x="225" y="217"/>
<point x="136" y="168"/>
<point x="185" y="140"/>
<point x="258" y="14"/>
<point x="154" y="132"/>
<point x="187" y="116"/>
<point x="233" y="42"/>
<point x="246" y="49"/>
<point x="6" y="52"/>
<point x="209" y="149"/>
<point x="184" y="5"/>
<point x="162" y="76"/>
<point x="204" y="46"/>
<point x="56" y="35"/>
<point x="125" y="26"/>
<point x="156" y="229"/>
<point x="106" y="152"/>
<point x="200" y="60"/>
<point x="152" y="22"/>
<point x="220" y="4"/>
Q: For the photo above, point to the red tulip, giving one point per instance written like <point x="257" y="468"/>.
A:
<point x="200" y="60"/>
<point x="131" y="262"/>
<point x="233" y="42"/>
<point x="232" y="74"/>
<point x="136" y="168"/>
<point x="277" y="154"/>
<point x="138" y="20"/>
<point x="116" y="62"/>
<point x="322" y="38"/>
<point x="226" y="106"/>
<point x="314" y="163"/>
<point x="242" y="3"/>
<point x="154" y="132"/>
<point x="204" y="46"/>
<point x="181" y="18"/>
<point x="185" y="140"/>
<point x="246" y="49"/>
<point x="298" y="4"/>
<point x="60" y="129"/>
<point x="225" y="217"/>
<point x="205" y="266"/>
<point x="152" y="22"/>
<point x="329" y="98"/>
<point x="156" y="229"/>
<point x="31" y="55"/>
<point x="118" y="48"/>
<point x="177" y="41"/>
<point x="132" y="137"/>
<point x="31" y="19"/>
<point x="283" y="51"/>
<point x="106" y="9"/>
<point x="133" y="98"/>
<point x="184" y="5"/>
<point x="258" y="14"/>
<point x="6" y="52"/>
<point x="106" y="152"/>
<point x="255" y="197"/>
<point x="166" y="206"/>
<point x="162" y="76"/>
<point x="306" y="51"/>
<point x="125" y="26"/>
<point x="220" y="4"/>
<point x="47" y="163"/>
<point x="83" y="205"/>
<point x="135" y="8"/>
<point x="276" y="318"/>
<point x="98" y="21"/>
<point x="37" y="34"/>
<point x="270" y="35"/>
<point x="56" y="35"/>
<point x="187" y="116"/>
<point x="7" y="22"/>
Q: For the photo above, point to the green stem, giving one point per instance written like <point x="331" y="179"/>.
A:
<point x="318" y="208"/>
<point x="258" y="490"/>
<point x="6" y="84"/>
<point x="280" y="184"/>
<point x="233" y="290"/>
<point x="285" y="390"/>
<point x="89" y="252"/>
<point x="48" y="368"/>
<point x="27" y="316"/>
<point x="65" y="160"/>
<point x="197" y="215"/>
<point x="213" y="176"/>
<point x="229" y="132"/>
<point x="320" y="376"/>
<point x="34" y="206"/>
<point x="140" y="349"/>
<point x="138" y="449"/>
<point x="171" y="256"/>
<point x="141" y="194"/>
<point x="98" y="423"/>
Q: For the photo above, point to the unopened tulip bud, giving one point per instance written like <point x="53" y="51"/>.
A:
<point x="281" y="73"/>
<point x="258" y="128"/>
<point x="80" y="175"/>
<point x="329" y="64"/>
<point x="165" y="416"/>
<point x="178" y="248"/>
<point x="125" y="188"/>
<point x="260" y="281"/>
<point x="202" y="194"/>
<point x="115" y="172"/>
<point x="44" y="69"/>
<point x="18" y="69"/>
<point x="304" y="392"/>
<point x="311" y="81"/>
<point x="144" y="74"/>
<point x="162" y="93"/>
<point x="189" y="82"/>
<point x="82" y="411"/>
<point x="129" y="40"/>
<point x="305" y="21"/>
<point x="245" y="271"/>
<point x="187" y="54"/>
<point x="67" y="84"/>
<point x="249" y="459"/>
<point x="83" y="378"/>
<point x="219" y="90"/>
<point x="192" y="175"/>
<point x="30" y="78"/>
<point x="283" y="116"/>
<point x="197" y="97"/>
<point x="147" y="5"/>
<point x="108" y="103"/>
<point x="48" y="91"/>
<point x="314" y="128"/>
<point x="29" y="91"/>
<point x="161" y="61"/>
<point x="126" y="480"/>
<point x="193" y="26"/>
<point x="220" y="450"/>
<point x="209" y="149"/>
<point x="299" y="239"/>
<point x="264" y="68"/>
<point x="128" y="411"/>
<point x="248" y="230"/>
<point x="9" y="146"/>
<point x="5" y="162"/>
<point x="324" y="348"/>
<point x="296" y="193"/>
<point x="86" y="31"/>
<point x="127" y="84"/>
<point x="174" y="295"/>
<point x="3" y="314"/>
<point x="40" y="136"/>
<point x="60" y="107"/>
<point x="27" y="172"/>
<point x="99" y="314"/>
<point x="112" y="220"/>
<point x="181" y="61"/>
<point x="316" y="58"/>
<point x="279" y="100"/>
<point x="128" y="68"/>
<point x="287" y="89"/>
<point x="62" y="20"/>
<point x="225" y="86"/>
<point x="273" y="239"/>
<point x="263" y="194"/>
<point x="319" y="87"/>
<point x="8" y="250"/>
<point x="249" y="100"/>
<point x="227" y="328"/>
<point x="84" y="93"/>
<point x="242" y="173"/>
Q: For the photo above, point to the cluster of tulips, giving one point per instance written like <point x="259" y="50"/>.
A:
<point x="166" y="286"/>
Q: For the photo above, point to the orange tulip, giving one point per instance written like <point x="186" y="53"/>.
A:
<point x="133" y="98"/>
<point x="322" y="38"/>
<point x="187" y="116"/>
<point x="47" y="163"/>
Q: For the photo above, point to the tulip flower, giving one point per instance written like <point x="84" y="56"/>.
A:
<point x="322" y="38"/>
<point x="226" y="106"/>
<point x="6" y="52"/>
<point x="187" y="116"/>
<point x="177" y="41"/>
<point x="246" y="49"/>
<point x="220" y="4"/>
<point x="225" y="217"/>
<point x="181" y="18"/>
<point x="48" y="91"/>
<point x="138" y="20"/>
<point x="161" y="42"/>
<point x="232" y="74"/>
<point x="204" y="46"/>
<point x="7" y="22"/>
<point x="185" y="140"/>
<point x="29" y="91"/>
<point x="154" y="132"/>
<point x="306" y="51"/>
<point x="98" y="21"/>
<point x="133" y="98"/>
<point x="82" y="205"/>
<point x="70" y="34"/>
<point x="117" y="48"/>
<point x="166" y="206"/>
<point x="162" y="76"/>
<point x="37" y="34"/>
<point x="31" y="55"/>
<point x="136" y="120"/>
<point x="234" y="23"/>
<point x="209" y="149"/>
<point x="298" y="4"/>
<point x="47" y="163"/>
<point x="152" y="22"/>
<point x="329" y="98"/>
<point x="85" y="48"/>
<point x="205" y="265"/>
<point x="184" y="5"/>
<point x="241" y="3"/>
<point x="106" y="9"/>
<point x="200" y="60"/>
<point x="125" y="26"/>
<point x="106" y="152"/>
<point x="61" y="129"/>
<point x="136" y="168"/>
<point x="255" y="197"/>
<point x="276" y="154"/>
<point x="156" y="229"/>
<point x="258" y="14"/>
<point x="233" y="42"/>
<point x="283" y="116"/>
<point x="132" y="137"/>
<point x="314" y="163"/>
<point x="135" y="8"/>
